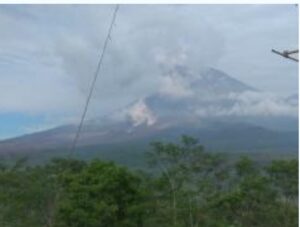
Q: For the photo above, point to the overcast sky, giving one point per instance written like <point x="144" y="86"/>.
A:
<point x="49" y="53"/>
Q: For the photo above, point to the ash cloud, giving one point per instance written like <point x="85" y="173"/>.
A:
<point x="50" y="71"/>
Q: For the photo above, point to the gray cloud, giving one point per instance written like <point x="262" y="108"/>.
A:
<point x="49" y="53"/>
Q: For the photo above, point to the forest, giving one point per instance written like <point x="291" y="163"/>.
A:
<point x="182" y="186"/>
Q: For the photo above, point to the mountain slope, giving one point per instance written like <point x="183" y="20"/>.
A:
<point x="221" y="111"/>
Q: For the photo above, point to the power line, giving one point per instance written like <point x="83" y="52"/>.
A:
<point x="108" y="38"/>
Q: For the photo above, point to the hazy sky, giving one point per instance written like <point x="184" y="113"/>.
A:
<point x="48" y="54"/>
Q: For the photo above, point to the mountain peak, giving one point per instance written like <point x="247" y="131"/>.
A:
<point x="220" y="82"/>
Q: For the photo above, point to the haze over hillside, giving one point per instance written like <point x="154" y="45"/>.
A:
<point x="221" y="111"/>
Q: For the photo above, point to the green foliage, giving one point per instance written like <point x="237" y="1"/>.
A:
<point x="27" y="196"/>
<point x="102" y="194"/>
<point x="284" y="175"/>
<point x="253" y="201"/>
<point x="248" y="204"/>
<point x="245" y="167"/>
<point x="186" y="187"/>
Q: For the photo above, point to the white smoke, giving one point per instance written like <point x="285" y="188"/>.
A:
<point x="175" y="86"/>
<point x="251" y="103"/>
<point x="139" y="113"/>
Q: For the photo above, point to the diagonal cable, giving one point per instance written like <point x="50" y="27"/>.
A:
<point x="108" y="38"/>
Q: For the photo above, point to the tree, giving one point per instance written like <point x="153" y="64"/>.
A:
<point x="102" y="194"/>
<point x="26" y="197"/>
<point x="187" y="187"/>
<point x="252" y="201"/>
<point x="284" y="176"/>
<point x="186" y="172"/>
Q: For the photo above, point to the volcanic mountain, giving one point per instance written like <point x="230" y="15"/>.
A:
<point x="223" y="112"/>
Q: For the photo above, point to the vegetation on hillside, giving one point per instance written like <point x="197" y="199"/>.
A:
<point x="186" y="187"/>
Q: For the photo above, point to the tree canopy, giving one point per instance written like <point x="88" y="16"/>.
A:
<point x="183" y="186"/>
